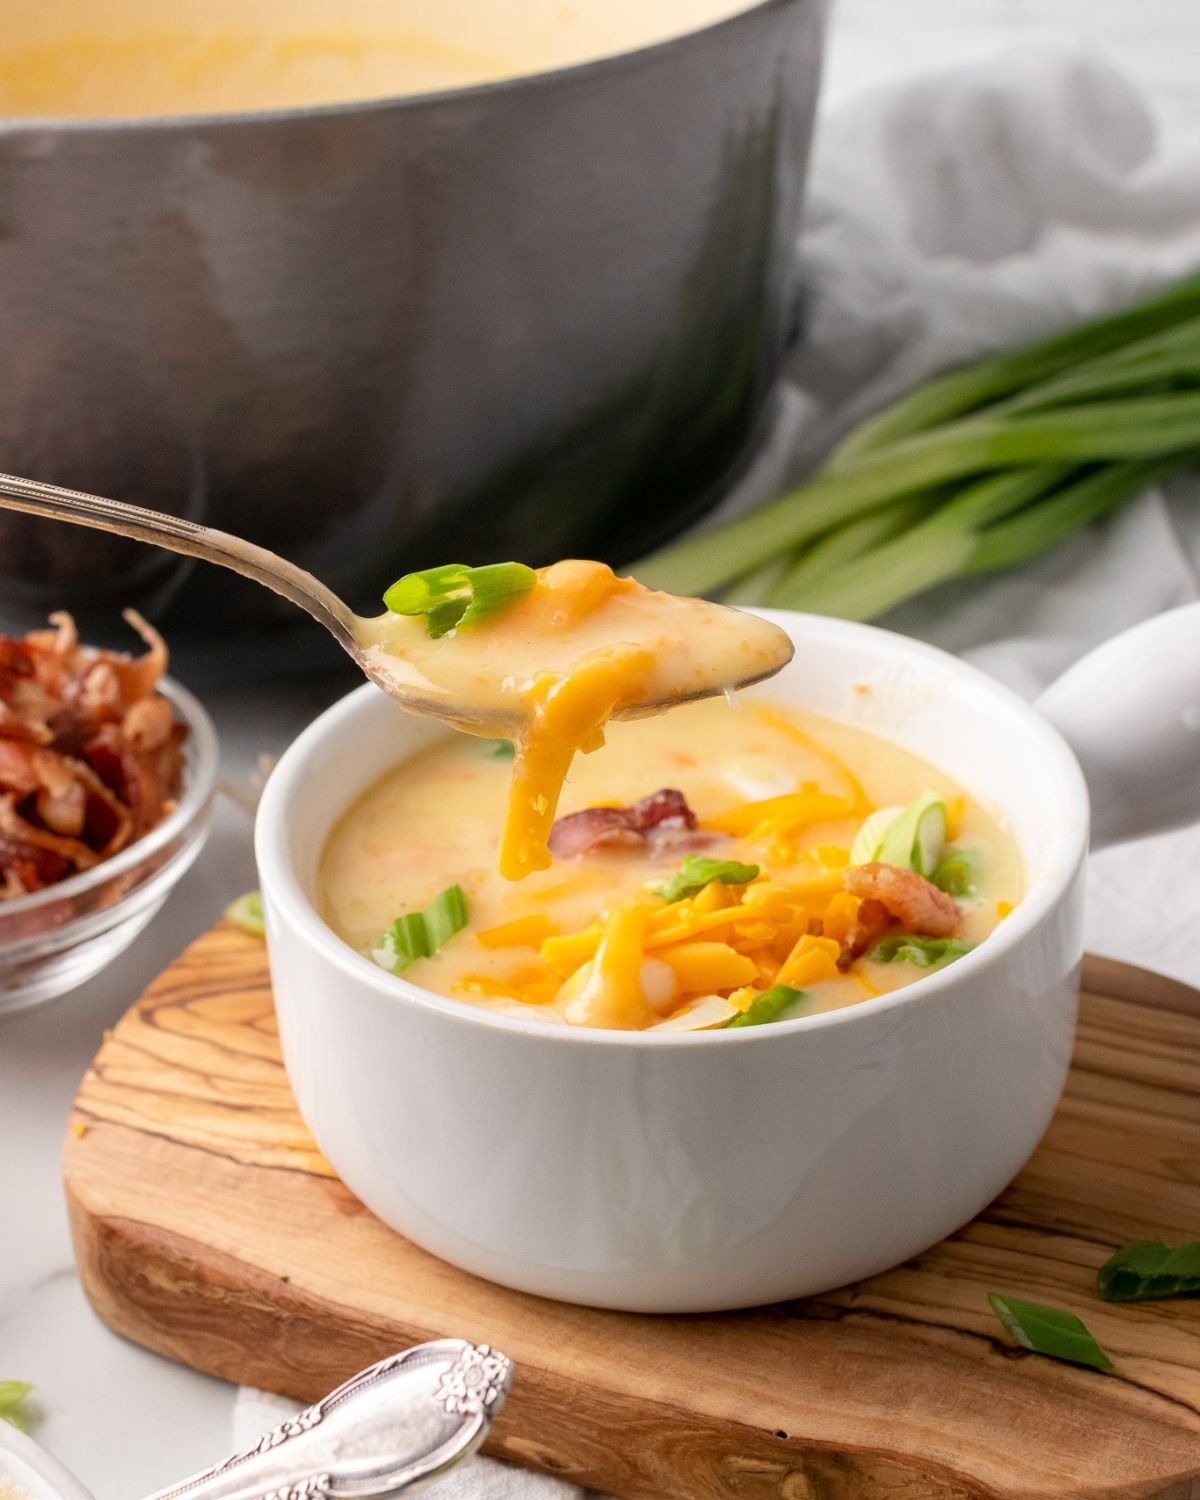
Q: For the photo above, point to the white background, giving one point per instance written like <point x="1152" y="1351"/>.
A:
<point x="125" y="1420"/>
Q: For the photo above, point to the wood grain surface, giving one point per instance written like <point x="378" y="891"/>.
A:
<point x="208" y="1226"/>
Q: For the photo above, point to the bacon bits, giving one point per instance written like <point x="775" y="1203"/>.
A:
<point x="663" y="821"/>
<point x="91" y="757"/>
<point x="914" y="902"/>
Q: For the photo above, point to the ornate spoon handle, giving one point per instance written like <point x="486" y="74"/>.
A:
<point x="402" y="1421"/>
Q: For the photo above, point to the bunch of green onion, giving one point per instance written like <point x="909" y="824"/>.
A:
<point x="977" y="470"/>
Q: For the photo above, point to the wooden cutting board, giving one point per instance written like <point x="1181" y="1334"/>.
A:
<point x="207" y="1226"/>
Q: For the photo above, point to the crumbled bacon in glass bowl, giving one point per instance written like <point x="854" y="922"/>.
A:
<point x="106" y="779"/>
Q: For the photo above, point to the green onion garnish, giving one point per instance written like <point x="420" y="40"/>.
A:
<point x="419" y="934"/>
<point x="924" y="952"/>
<point x="917" y="837"/>
<point x="867" y="841"/>
<point x="699" y="870"/>
<point x="912" y="837"/>
<point x="957" y="873"/>
<point x="1150" y="1269"/>
<point x="768" y="1006"/>
<point x="502" y="750"/>
<point x="12" y="1394"/>
<point x="1049" y="1330"/>
<point x="455" y="597"/>
<point x="247" y="913"/>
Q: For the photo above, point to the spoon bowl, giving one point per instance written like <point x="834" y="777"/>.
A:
<point x="352" y="632"/>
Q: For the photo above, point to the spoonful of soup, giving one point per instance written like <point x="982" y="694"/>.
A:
<point x="542" y="658"/>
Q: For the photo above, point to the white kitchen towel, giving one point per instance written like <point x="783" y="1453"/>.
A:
<point x="964" y="212"/>
<point x="947" y="217"/>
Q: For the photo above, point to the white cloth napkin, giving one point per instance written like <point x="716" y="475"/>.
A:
<point x="949" y="216"/>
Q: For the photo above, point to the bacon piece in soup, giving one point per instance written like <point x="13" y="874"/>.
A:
<point x="916" y="903"/>
<point x="659" y="822"/>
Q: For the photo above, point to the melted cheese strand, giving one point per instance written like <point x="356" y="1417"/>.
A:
<point x="566" y="714"/>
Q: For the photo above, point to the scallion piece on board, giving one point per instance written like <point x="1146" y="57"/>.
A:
<point x="12" y="1394"/>
<point x="924" y="952"/>
<point x="768" y="1006"/>
<point x="1150" y="1269"/>
<point x="456" y="597"/>
<point x="247" y="913"/>
<point x="419" y="934"/>
<point x="1049" y="1330"/>
<point x="502" y="750"/>
<point x="699" y="870"/>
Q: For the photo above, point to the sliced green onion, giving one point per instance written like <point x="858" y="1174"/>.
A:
<point x="915" y="838"/>
<point x="698" y="871"/>
<point x="445" y="915"/>
<point x="418" y="593"/>
<point x="769" y="1006"/>
<point x="419" y="934"/>
<point x="923" y="952"/>
<point x="456" y="597"/>
<point x="869" y="838"/>
<point x="957" y="873"/>
<point x="1049" y="1330"/>
<point x="503" y="750"/>
<point x="247" y="913"/>
<point x="1150" y="1269"/>
<point x="12" y="1394"/>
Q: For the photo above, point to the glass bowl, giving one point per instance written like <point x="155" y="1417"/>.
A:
<point x="55" y="939"/>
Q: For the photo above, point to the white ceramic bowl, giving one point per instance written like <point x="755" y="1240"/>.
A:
<point x="32" y="1472"/>
<point x="689" y="1172"/>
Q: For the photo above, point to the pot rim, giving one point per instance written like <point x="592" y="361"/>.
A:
<point x="282" y="888"/>
<point x="17" y="125"/>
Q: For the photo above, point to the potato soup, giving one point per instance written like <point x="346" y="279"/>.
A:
<point x="724" y="864"/>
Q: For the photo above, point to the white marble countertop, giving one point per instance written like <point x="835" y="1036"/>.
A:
<point x="127" y="1421"/>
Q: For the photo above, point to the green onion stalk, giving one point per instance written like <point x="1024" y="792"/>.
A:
<point x="978" y="470"/>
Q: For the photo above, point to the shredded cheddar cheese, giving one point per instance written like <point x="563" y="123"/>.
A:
<point x="643" y="922"/>
<point x="568" y="715"/>
<point x="521" y="932"/>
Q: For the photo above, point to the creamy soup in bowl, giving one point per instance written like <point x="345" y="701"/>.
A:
<point x="714" y="865"/>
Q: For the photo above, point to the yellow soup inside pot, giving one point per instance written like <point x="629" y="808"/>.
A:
<point x="774" y="795"/>
<point x="97" y="58"/>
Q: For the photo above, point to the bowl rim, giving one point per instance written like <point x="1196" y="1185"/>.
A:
<point x="238" y="118"/>
<point x="54" y="1477"/>
<point x="200" y="780"/>
<point x="281" y="886"/>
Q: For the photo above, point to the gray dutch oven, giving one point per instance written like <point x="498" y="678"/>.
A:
<point x="535" y="317"/>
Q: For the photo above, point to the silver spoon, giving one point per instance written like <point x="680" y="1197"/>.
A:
<point x="273" y="572"/>
<point x="395" y="1425"/>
